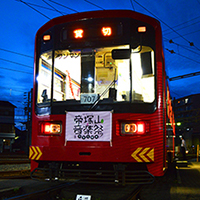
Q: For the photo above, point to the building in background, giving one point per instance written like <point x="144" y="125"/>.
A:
<point x="187" y="117"/>
<point x="7" y="130"/>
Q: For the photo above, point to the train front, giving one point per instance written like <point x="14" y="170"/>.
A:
<point x="98" y="99"/>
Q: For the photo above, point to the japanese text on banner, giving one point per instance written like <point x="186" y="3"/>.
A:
<point x="88" y="126"/>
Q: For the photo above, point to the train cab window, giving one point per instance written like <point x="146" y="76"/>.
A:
<point x="68" y="64"/>
<point x="85" y="75"/>
<point x="44" y="78"/>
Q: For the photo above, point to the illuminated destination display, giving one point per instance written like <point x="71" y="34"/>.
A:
<point x="78" y="33"/>
<point x="99" y="31"/>
<point x="106" y="31"/>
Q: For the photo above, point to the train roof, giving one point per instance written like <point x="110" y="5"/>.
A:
<point x="99" y="14"/>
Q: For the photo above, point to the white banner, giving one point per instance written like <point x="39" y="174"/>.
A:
<point x="88" y="126"/>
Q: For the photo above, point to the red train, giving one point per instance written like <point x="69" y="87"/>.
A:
<point x="101" y="106"/>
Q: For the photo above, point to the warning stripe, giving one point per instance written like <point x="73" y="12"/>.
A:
<point x="134" y="154"/>
<point x="34" y="153"/>
<point x="142" y="154"/>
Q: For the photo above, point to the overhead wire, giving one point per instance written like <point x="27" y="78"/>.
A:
<point x="14" y="52"/>
<point x="36" y="5"/>
<point x="184" y="23"/>
<point x="191" y="44"/>
<point x="189" y="34"/>
<point x="33" y="8"/>
<point x="39" y="6"/>
<point x="16" y="63"/>
<point x="94" y="4"/>
<point x="64" y="6"/>
<point x="132" y="5"/>
<point x="184" y="27"/>
<point x="16" y="70"/>
<point x="173" y="52"/>
<point x="13" y="62"/>
<point x="53" y="7"/>
<point x="182" y="46"/>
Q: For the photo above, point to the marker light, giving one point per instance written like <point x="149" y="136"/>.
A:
<point x="51" y="128"/>
<point x="106" y="31"/>
<point x="142" y="29"/>
<point x="134" y="128"/>
<point x="46" y="37"/>
<point x="78" y="33"/>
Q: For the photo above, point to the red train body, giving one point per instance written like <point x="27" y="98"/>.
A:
<point x="100" y="96"/>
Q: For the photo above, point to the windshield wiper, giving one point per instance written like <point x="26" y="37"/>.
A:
<point x="102" y="94"/>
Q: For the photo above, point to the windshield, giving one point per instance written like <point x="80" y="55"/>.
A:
<point x="89" y="75"/>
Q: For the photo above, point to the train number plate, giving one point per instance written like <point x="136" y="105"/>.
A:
<point x="83" y="197"/>
<point x="88" y="98"/>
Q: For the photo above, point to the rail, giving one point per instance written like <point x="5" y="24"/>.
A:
<point x="40" y="194"/>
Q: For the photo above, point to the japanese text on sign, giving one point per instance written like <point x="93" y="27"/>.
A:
<point x="88" y="126"/>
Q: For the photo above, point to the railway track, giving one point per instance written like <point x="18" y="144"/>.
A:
<point x="60" y="190"/>
<point x="14" y="167"/>
<point x="13" y="161"/>
<point x="71" y="190"/>
<point x="20" y="174"/>
<point x="48" y="193"/>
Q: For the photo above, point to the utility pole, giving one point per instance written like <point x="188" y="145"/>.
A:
<point x="29" y="120"/>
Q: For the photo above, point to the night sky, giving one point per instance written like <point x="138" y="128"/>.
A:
<point x="20" y="20"/>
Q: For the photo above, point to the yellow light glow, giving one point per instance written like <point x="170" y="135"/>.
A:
<point x="55" y="128"/>
<point x="46" y="37"/>
<point x="142" y="29"/>
<point x="130" y="128"/>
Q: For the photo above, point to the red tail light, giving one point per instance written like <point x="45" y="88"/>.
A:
<point x="51" y="127"/>
<point x="134" y="127"/>
<point x="141" y="128"/>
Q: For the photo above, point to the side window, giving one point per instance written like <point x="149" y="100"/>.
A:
<point x="143" y="76"/>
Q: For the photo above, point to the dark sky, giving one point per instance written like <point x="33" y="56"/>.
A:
<point x="180" y="21"/>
